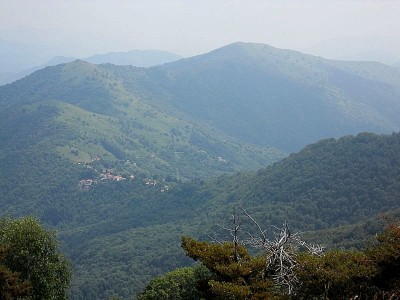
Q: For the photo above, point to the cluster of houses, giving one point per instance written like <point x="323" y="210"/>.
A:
<point x="111" y="177"/>
<point x="86" y="184"/>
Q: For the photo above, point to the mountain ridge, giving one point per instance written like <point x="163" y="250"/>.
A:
<point x="284" y="83"/>
<point x="138" y="58"/>
<point x="263" y="95"/>
<point x="160" y="142"/>
<point x="123" y="160"/>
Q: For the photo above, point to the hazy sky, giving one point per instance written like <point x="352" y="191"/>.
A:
<point x="82" y="28"/>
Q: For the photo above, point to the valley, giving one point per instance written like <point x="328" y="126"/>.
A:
<point x="122" y="161"/>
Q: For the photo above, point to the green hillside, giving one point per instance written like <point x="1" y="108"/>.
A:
<point x="122" y="161"/>
<point x="275" y="97"/>
<point x="253" y="93"/>
<point x="121" y="234"/>
<point x="107" y="122"/>
<point x="329" y="175"/>
<point x="341" y="187"/>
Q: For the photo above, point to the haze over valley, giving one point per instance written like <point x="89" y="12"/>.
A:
<point x="123" y="150"/>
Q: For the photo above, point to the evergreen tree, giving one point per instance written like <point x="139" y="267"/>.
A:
<point x="237" y="274"/>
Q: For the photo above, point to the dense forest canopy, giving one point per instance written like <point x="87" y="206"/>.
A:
<point x="113" y="229"/>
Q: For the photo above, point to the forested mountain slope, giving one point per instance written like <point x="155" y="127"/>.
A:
<point x="276" y="97"/>
<point x="347" y="182"/>
<point x="122" y="160"/>
<point x="327" y="184"/>
<point x="92" y="115"/>
<point x="251" y="92"/>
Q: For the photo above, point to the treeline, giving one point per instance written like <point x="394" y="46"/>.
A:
<point x="228" y="271"/>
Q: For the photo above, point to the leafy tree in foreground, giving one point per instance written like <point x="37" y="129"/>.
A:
<point x="33" y="253"/>
<point x="179" y="284"/>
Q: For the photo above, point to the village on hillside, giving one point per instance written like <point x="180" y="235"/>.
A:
<point x="109" y="176"/>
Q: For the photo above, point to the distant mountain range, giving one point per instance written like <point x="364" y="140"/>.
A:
<point x="122" y="160"/>
<point x="252" y="92"/>
<point x="11" y="77"/>
<point x="138" y="58"/>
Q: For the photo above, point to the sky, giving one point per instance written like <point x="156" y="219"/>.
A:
<point x="191" y="27"/>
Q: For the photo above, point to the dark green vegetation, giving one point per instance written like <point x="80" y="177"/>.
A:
<point x="147" y="239"/>
<point x="372" y="273"/>
<point x="179" y="284"/>
<point x="31" y="265"/>
<point x="121" y="234"/>
<point x="189" y="121"/>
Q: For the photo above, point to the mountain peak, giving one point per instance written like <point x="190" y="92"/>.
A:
<point x="242" y="47"/>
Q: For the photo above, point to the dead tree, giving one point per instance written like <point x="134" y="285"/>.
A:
<point x="234" y="233"/>
<point x="280" y="249"/>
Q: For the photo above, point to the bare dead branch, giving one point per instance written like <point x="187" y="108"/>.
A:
<point x="214" y="238"/>
<point x="262" y="232"/>
<point x="281" y="262"/>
